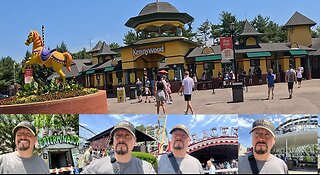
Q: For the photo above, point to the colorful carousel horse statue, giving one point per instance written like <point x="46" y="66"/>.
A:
<point x="49" y="58"/>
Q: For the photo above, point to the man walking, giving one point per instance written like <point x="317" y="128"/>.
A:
<point x="291" y="78"/>
<point x="23" y="161"/>
<point x="261" y="161"/>
<point x="178" y="161"/>
<point x="187" y="85"/>
<point x="121" y="161"/>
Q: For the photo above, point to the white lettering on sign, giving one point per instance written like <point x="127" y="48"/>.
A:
<point x="148" y="51"/>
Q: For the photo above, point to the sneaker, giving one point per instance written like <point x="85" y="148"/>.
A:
<point x="185" y="112"/>
<point x="290" y="96"/>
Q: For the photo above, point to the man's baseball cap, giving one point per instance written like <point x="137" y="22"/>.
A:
<point x="181" y="127"/>
<point x="264" y="124"/>
<point x="25" y="124"/>
<point x="124" y="125"/>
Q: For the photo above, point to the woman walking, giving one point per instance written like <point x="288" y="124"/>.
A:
<point x="160" y="94"/>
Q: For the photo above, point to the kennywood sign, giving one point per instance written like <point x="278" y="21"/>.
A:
<point x="147" y="51"/>
<point x="52" y="140"/>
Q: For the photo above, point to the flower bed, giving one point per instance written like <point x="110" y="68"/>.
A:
<point x="85" y="101"/>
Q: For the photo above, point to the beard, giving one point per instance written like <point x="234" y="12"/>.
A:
<point x="23" y="146"/>
<point x="260" y="151"/>
<point x="122" y="150"/>
<point x="178" y="146"/>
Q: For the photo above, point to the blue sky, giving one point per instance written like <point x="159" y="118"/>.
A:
<point x="245" y="124"/>
<point x="195" y="123"/>
<point x="76" y="22"/>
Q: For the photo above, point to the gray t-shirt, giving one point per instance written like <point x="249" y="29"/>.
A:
<point x="272" y="166"/>
<point x="104" y="166"/>
<point x="291" y="75"/>
<point x="188" y="165"/>
<point x="12" y="164"/>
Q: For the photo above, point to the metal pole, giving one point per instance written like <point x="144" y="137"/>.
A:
<point x="234" y="57"/>
<point x="14" y="74"/>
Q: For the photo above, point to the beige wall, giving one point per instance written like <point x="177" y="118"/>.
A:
<point x="300" y="35"/>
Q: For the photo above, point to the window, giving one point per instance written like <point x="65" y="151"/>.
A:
<point x="254" y="62"/>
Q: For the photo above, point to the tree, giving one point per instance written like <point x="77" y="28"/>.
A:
<point x="204" y="32"/>
<point x="7" y="65"/>
<point x="114" y="45"/>
<point x="130" y="38"/>
<point x="83" y="54"/>
<point x="272" y="32"/>
<point x="62" y="48"/>
<point x="187" y="32"/>
<point x="316" y="33"/>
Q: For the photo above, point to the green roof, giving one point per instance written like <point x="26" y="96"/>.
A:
<point x="89" y="72"/>
<point x="258" y="54"/>
<point x="108" y="69"/>
<point x="298" y="52"/>
<point x="208" y="58"/>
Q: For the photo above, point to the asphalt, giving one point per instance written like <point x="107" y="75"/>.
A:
<point x="305" y="100"/>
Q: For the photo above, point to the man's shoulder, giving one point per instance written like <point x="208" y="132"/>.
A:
<point x="193" y="159"/>
<point x="7" y="155"/>
<point x="103" y="161"/>
<point x="277" y="160"/>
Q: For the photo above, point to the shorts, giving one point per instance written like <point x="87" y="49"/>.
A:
<point x="139" y="92"/>
<point x="160" y="96"/>
<point x="187" y="97"/>
<point x="290" y="85"/>
<point x="299" y="79"/>
<point x="270" y="85"/>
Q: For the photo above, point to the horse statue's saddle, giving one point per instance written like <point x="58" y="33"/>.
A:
<point x="46" y="53"/>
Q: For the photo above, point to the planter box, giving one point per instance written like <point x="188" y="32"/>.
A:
<point x="89" y="104"/>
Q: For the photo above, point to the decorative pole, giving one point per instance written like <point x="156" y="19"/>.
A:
<point x="43" y="34"/>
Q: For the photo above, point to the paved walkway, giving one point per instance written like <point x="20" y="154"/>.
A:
<point x="305" y="100"/>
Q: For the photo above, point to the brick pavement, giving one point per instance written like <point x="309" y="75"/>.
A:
<point x="305" y="101"/>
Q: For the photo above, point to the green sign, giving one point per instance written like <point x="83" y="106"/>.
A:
<point x="52" y="140"/>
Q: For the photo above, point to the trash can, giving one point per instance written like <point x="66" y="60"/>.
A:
<point x="133" y="93"/>
<point x="237" y="92"/>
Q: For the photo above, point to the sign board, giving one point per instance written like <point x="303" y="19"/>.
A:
<point x="226" y="46"/>
<point x="171" y="74"/>
<point x="28" y="76"/>
<point x="132" y="77"/>
<point x="147" y="51"/>
<point x="52" y="140"/>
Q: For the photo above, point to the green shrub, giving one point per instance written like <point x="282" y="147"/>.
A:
<point x="147" y="157"/>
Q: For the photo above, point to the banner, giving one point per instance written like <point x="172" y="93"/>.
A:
<point x="28" y="76"/>
<point x="226" y="46"/>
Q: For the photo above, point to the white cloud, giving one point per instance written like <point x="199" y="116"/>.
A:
<point x="196" y="119"/>
<point x="245" y="123"/>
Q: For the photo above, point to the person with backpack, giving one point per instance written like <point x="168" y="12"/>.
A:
<point x="270" y="80"/>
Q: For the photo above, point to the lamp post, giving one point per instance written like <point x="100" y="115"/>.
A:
<point x="14" y="74"/>
<point x="232" y="29"/>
